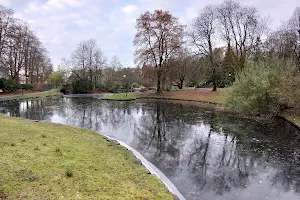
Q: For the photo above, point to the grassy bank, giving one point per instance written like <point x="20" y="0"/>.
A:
<point x="292" y="115"/>
<point x="29" y="95"/>
<point x="120" y="96"/>
<point x="206" y="95"/>
<point x="294" y="119"/>
<point x="42" y="160"/>
<point x="203" y="95"/>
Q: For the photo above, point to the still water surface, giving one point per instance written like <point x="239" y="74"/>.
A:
<point x="208" y="155"/>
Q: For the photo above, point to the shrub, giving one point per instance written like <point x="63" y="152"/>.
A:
<point x="100" y="86"/>
<point x="135" y="85"/>
<point x="111" y="89"/>
<point x="81" y="86"/>
<point x="63" y="90"/>
<point x="11" y="86"/>
<point x="2" y="84"/>
<point x="26" y="86"/>
<point x="226" y="78"/>
<point x="254" y="91"/>
<point x="288" y="90"/>
<point x="191" y="84"/>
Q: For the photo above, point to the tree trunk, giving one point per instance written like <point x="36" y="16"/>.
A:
<point x="180" y="84"/>
<point x="158" y="90"/>
<point x="163" y="82"/>
<point x="214" y="80"/>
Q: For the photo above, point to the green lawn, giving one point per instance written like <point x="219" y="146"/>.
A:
<point x="29" y="95"/>
<point x="294" y="119"/>
<point x="41" y="94"/>
<point x="41" y="160"/>
<point x="120" y="96"/>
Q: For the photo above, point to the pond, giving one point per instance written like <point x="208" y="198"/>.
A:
<point x="208" y="155"/>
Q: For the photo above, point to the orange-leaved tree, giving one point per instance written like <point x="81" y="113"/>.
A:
<point x="158" y="36"/>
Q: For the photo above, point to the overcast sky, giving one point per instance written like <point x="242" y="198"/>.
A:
<point x="62" y="24"/>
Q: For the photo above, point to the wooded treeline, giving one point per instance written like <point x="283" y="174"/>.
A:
<point x="222" y="37"/>
<point x="226" y="45"/>
<point x="23" y="58"/>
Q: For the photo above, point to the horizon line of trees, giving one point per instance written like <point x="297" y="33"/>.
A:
<point x="23" y="58"/>
<point x="87" y="68"/>
<point x="160" y="40"/>
<point x="261" y="65"/>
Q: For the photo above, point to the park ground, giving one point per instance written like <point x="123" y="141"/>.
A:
<point x="202" y="97"/>
<point x="41" y="160"/>
<point x="206" y="95"/>
<point x="26" y="95"/>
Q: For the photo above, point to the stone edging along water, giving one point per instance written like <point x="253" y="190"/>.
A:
<point x="152" y="169"/>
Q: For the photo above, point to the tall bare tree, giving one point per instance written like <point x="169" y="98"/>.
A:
<point x="204" y="37"/>
<point x="6" y="20"/>
<point x="241" y="26"/>
<point x="87" y="62"/>
<point x="23" y="59"/>
<point x="158" y="36"/>
<point x="294" y="28"/>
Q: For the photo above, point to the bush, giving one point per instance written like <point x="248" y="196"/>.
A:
<point x="2" y="84"/>
<point x="63" y="90"/>
<point x="191" y="84"/>
<point x="100" y="86"/>
<point x="26" y="86"/>
<point x="111" y="89"/>
<point x="288" y="90"/>
<point x="225" y="78"/>
<point x="254" y="91"/>
<point x="81" y="86"/>
<point x="11" y="86"/>
<point x="135" y="85"/>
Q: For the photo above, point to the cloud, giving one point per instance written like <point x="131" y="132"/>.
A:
<point x="129" y="9"/>
<point x="52" y="5"/>
<point x="5" y="2"/>
<point x="74" y="3"/>
<point x="82" y="22"/>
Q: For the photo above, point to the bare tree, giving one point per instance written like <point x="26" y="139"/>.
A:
<point x="285" y="41"/>
<point x="88" y="61"/>
<point x="280" y="43"/>
<point x="80" y="61"/>
<point x="22" y="56"/>
<point x="6" y="20"/>
<point x="294" y="28"/>
<point x="241" y="27"/>
<point x="158" y="36"/>
<point x="180" y="66"/>
<point x="204" y="35"/>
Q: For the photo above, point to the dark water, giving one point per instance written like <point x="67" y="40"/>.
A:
<point x="207" y="155"/>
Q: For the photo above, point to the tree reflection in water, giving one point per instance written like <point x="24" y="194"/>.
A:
<point x="206" y="154"/>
